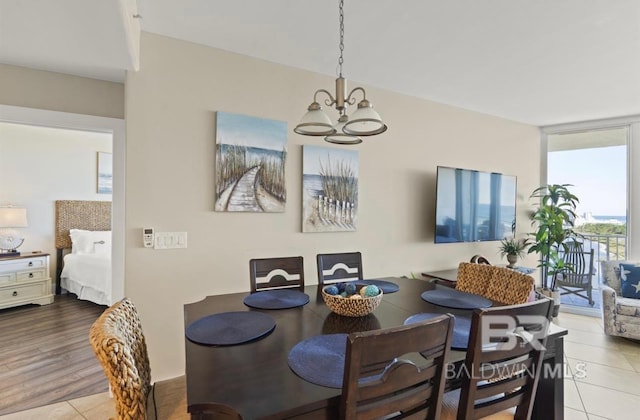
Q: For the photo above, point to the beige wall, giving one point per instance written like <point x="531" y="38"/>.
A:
<point x="21" y="86"/>
<point x="171" y="105"/>
<point x="39" y="165"/>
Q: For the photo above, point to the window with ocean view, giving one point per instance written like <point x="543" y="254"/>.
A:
<point x="594" y="163"/>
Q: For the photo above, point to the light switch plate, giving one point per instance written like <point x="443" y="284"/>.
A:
<point x="170" y="240"/>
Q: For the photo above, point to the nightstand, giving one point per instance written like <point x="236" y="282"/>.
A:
<point x="25" y="279"/>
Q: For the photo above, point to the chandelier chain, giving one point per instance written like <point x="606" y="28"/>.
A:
<point x="341" y="59"/>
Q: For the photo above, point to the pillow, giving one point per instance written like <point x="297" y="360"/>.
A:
<point x="630" y="277"/>
<point x="81" y="242"/>
<point x="102" y="242"/>
<point x="90" y="242"/>
<point x="611" y="273"/>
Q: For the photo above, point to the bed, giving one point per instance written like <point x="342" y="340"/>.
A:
<point x="83" y="246"/>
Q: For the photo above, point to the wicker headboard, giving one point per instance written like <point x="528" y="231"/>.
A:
<point x="87" y="215"/>
<point x="75" y="214"/>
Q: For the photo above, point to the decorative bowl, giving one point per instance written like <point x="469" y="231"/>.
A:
<point x="353" y="307"/>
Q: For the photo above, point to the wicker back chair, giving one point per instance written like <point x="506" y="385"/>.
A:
<point x="499" y="284"/>
<point x="474" y="278"/>
<point x="509" y="287"/>
<point x="119" y="344"/>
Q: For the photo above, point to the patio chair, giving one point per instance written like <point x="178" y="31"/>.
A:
<point x="577" y="280"/>
<point x="276" y="273"/>
<point x="397" y="372"/>
<point x="501" y="373"/>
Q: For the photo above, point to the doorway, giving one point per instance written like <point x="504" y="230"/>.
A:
<point x="594" y="163"/>
<point x="57" y="320"/>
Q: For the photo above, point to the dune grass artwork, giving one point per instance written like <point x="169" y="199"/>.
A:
<point x="250" y="161"/>
<point x="330" y="189"/>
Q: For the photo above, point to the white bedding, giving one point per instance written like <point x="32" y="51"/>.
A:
<point x="88" y="276"/>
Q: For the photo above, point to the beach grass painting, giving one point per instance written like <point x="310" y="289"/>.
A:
<point x="105" y="173"/>
<point x="250" y="163"/>
<point x="330" y="189"/>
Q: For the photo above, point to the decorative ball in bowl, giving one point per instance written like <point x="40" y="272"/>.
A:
<point x="350" y="299"/>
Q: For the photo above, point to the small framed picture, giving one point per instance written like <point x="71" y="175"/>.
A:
<point x="105" y="173"/>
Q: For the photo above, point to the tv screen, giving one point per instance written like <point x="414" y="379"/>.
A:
<point x="473" y="205"/>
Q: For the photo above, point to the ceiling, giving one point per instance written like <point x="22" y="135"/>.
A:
<point x="540" y="62"/>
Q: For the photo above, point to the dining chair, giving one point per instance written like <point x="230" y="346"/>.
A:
<point x="276" y="273"/>
<point x="503" y="362"/>
<point x="119" y="344"/>
<point x="397" y="372"/>
<point x="474" y="278"/>
<point x="500" y="284"/>
<point x="333" y="268"/>
<point x="578" y="278"/>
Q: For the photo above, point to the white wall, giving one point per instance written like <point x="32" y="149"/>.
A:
<point x="170" y="113"/>
<point x="39" y="165"/>
<point x="24" y="87"/>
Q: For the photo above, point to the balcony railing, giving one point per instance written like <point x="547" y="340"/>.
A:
<point x="606" y="247"/>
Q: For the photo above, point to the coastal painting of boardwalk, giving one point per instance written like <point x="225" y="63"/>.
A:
<point x="330" y="189"/>
<point x="250" y="161"/>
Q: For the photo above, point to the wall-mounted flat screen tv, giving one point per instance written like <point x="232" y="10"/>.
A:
<point x="473" y="205"/>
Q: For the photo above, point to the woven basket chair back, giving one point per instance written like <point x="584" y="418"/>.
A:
<point x="499" y="284"/>
<point x="119" y="344"/>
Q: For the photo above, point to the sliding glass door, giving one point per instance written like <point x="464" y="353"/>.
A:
<point x="594" y="163"/>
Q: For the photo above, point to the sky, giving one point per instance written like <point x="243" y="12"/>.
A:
<point x="244" y="130"/>
<point x="598" y="176"/>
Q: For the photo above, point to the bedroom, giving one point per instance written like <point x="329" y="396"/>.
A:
<point x="39" y="166"/>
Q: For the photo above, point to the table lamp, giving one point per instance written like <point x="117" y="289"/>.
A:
<point x="11" y="217"/>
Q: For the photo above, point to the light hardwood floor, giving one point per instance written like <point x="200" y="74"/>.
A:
<point x="603" y="381"/>
<point x="45" y="355"/>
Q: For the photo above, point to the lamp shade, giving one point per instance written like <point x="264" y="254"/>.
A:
<point x="339" y="137"/>
<point x="12" y="217"/>
<point x="365" y="121"/>
<point x="315" y="123"/>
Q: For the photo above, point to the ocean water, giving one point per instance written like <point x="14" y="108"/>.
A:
<point x="105" y="183"/>
<point x="312" y="184"/>
<point x="602" y="219"/>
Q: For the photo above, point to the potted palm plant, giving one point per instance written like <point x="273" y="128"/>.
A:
<point x="554" y="221"/>
<point x="513" y="249"/>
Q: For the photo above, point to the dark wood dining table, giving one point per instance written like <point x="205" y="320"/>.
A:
<point x="255" y="378"/>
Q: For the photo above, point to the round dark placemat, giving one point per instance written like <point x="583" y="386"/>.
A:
<point x="461" y="328"/>
<point x="452" y="298"/>
<point x="386" y="286"/>
<point x="277" y="299"/>
<point x="320" y="359"/>
<point x="228" y="328"/>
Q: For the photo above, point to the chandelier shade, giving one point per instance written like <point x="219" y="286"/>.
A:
<point x="315" y="122"/>
<point x="365" y="121"/>
<point x="339" y="137"/>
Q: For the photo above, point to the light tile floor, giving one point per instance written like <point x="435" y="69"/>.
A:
<point x="602" y="379"/>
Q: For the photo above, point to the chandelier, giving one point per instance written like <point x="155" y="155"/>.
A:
<point x="365" y="121"/>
